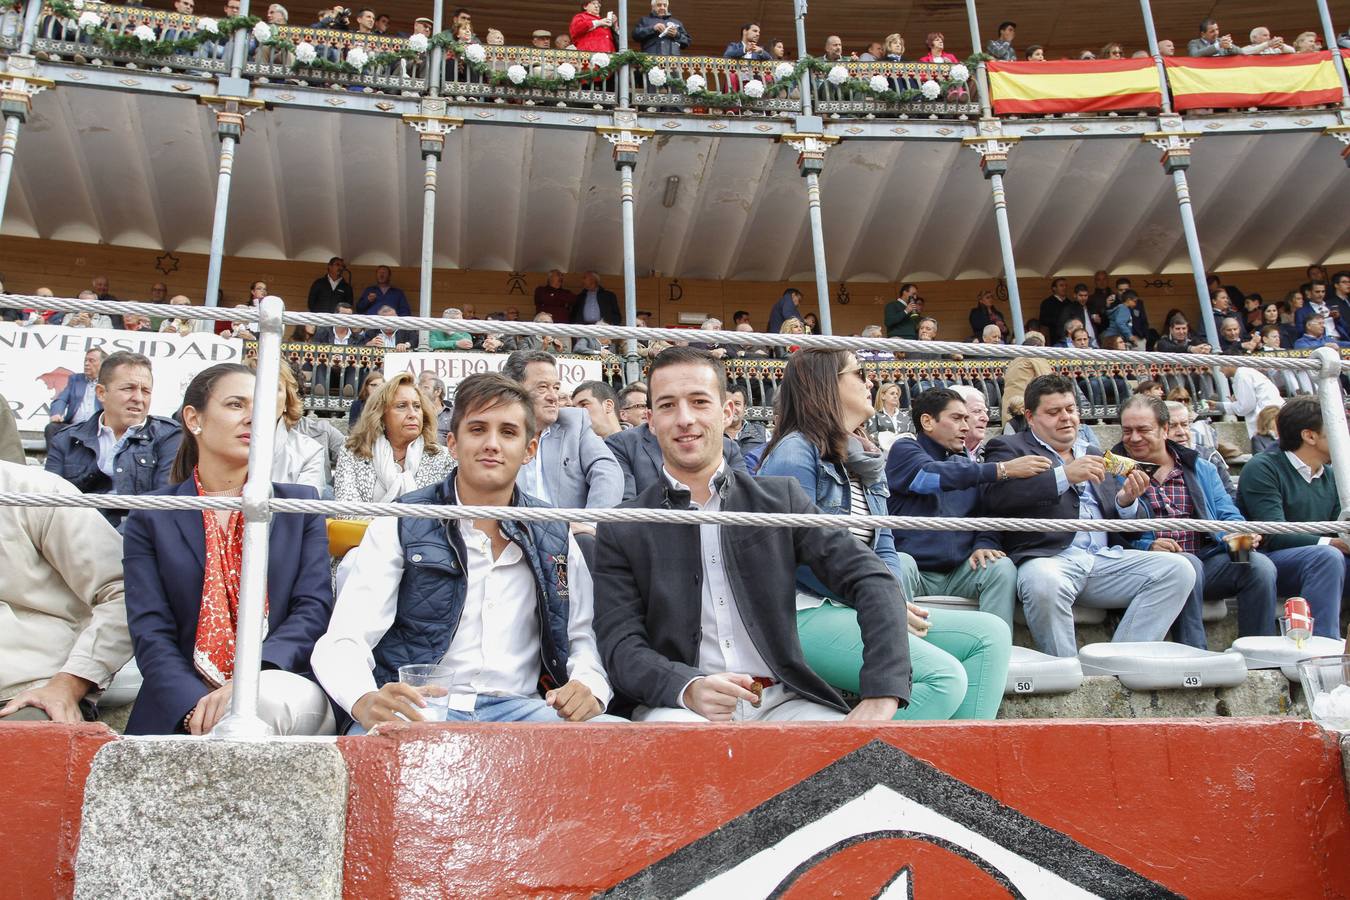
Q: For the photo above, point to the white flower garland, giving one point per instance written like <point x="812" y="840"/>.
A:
<point x="878" y="83"/>
<point x="144" y="33"/>
<point x="783" y="70"/>
<point x="599" y="60"/>
<point x="357" y="58"/>
<point x="960" y="73"/>
<point x="208" y="24"/>
<point x="89" y="20"/>
<point x="695" y="84"/>
<point x="930" y="89"/>
<point x="566" y="71"/>
<point x="305" y="53"/>
<point x="475" y="53"/>
<point x="656" y="77"/>
<point x="262" y="32"/>
<point x="837" y="76"/>
<point x="754" y="89"/>
<point x="516" y="74"/>
<point x="418" y="43"/>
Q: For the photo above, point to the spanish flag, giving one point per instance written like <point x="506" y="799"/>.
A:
<point x="1223" y="82"/>
<point x="1090" y="85"/>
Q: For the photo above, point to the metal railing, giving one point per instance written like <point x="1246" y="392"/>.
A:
<point x="958" y="100"/>
<point x="720" y="75"/>
<point x="61" y="37"/>
<point x="332" y="46"/>
<point x="258" y="505"/>
<point x="462" y="81"/>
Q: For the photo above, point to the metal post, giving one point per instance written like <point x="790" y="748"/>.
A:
<point x="7" y="145"/>
<point x="243" y="723"/>
<point x="981" y="70"/>
<point x="1152" y="32"/>
<point x="633" y="369"/>
<point x="622" y="45"/>
<point x="31" y="13"/>
<point x="218" y="220"/>
<point x="239" y="50"/>
<point x="428" y="241"/>
<point x="799" y="16"/>
<point x="1198" y="272"/>
<point x="1337" y="62"/>
<point x="1333" y="419"/>
<point x="818" y="251"/>
<point x="436" y="56"/>
<point x="1009" y="265"/>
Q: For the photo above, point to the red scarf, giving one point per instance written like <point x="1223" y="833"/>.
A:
<point x="213" y="647"/>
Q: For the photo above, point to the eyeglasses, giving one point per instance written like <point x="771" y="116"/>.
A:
<point x="633" y="406"/>
<point x="855" y="371"/>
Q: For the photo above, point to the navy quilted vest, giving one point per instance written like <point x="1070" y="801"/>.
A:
<point x="431" y="594"/>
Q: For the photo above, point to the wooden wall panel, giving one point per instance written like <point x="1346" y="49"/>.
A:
<point x="67" y="268"/>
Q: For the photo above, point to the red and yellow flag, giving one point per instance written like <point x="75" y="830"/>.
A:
<point x="1091" y="85"/>
<point x="1284" y="80"/>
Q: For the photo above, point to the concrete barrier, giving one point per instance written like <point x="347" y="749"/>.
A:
<point x="1215" y="808"/>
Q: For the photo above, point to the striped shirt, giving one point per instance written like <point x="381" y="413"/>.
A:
<point x="857" y="506"/>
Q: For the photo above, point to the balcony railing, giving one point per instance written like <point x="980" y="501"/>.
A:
<point x="62" y="37"/>
<point x="719" y="76"/>
<point x="332" y="49"/>
<point x="900" y="78"/>
<point x="463" y="79"/>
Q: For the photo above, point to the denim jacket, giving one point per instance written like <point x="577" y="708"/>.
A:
<point x="827" y="482"/>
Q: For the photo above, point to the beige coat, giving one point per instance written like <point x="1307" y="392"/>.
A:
<point x="61" y="594"/>
<point x="1019" y="374"/>
<point x="11" y="447"/>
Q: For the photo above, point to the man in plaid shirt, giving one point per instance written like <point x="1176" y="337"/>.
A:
<point x="1185" y="486"/>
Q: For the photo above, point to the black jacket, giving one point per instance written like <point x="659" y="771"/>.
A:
<point x="608" y="303"/>
<point x="1037" y="498"/>
<point x="646" y="33"/>
<point x="324" y="298"/>
<point x="648" y="585"/>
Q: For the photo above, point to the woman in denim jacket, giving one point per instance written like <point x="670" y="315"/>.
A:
<point x="960" y="658"/>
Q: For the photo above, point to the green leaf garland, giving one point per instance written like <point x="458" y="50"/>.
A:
<point x="130" y="45"/>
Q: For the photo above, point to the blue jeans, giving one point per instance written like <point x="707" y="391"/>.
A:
<point x="1217" y="577"/>
<point x="1318" y="574"/>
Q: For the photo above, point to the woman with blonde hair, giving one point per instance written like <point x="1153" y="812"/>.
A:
<point x="791" y="325"/>
<point x="296" y="458"/>
<point x="888" y="418"/>
<point x="392" y="449"/>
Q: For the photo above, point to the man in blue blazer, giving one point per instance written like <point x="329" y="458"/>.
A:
<point x="639" y="456"/>
<point x="77" y="402"/>
<point x="164" y="564"/>
<point x="573" y="468"/>
<point x="123" y="449"/>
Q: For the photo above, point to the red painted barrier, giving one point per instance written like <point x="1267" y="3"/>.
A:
<point x="1201" y="808"/>
<point x="42" y="773"/>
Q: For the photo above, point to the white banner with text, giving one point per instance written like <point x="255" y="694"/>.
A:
<point x="37" y="361"/>
<point x="452" y="368"/>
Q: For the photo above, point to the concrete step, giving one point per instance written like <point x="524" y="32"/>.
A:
<point x="1266" y="692"/>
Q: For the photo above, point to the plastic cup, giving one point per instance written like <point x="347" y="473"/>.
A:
<point x="433" y="682"/>
<point x="1326" y="687"/>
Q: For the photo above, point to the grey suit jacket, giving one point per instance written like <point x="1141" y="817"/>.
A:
<point x="579" y="470"/>
<point x="639" y="456"/>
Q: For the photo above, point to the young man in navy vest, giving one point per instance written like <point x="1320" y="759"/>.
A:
<point x="506" y="605"/>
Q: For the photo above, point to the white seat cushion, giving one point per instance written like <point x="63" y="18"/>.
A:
<point x="1214" y="611"/>
<point x="1283" y="654"/>
<point x="1033" y="672"/>
<point x="1161" y="665"/>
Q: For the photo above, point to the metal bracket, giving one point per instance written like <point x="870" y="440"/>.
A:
<point x="17" y="92"/>
<point x="994" y="150"/>
<point x="432" y="130"/>
<point x="1176" y="147"/>
<point x="627" y="140"/>
<point x="811" y="149"/>
<point x="230" y="114"/>
<point x="1342" y="134"/>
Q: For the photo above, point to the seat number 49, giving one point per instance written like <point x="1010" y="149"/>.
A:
<point x="1190" y="680"/>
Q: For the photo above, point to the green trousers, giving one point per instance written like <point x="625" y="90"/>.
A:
<point x="994" y="586"/>
<point x="960" y="667"/>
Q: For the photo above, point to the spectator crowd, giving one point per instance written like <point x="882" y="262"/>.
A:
<point x="545" y="621"/>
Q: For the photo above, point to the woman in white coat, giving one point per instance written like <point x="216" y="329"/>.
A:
<point x="296" y="457"/>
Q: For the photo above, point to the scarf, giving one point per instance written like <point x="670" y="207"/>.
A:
<point x="392" y="482"/>
<point x="865" y="462"/>
<point x="213" y="647"/>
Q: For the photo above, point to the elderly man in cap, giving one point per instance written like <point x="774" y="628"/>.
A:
<point x="541" y="39"/>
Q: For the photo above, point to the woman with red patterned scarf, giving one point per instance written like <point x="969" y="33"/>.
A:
<point x="184" y="568"/>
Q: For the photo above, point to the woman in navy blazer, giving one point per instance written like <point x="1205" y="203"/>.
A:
<point x="185" y="582"/>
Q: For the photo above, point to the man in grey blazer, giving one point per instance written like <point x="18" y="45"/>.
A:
<point x="639" y="456"/>
<point x="572" y="468"/>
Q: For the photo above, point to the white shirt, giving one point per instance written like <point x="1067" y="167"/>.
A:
<point x="534" y="471"/>
<point x="109" y="445"/>
<point x="496" y="646"/>
<point x="1089" y="507"/>
<point x="726" y="645"/>
<point x="342" y="340"/>
<point x="1252" y="392"/>
<point x="85" y="410"/>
